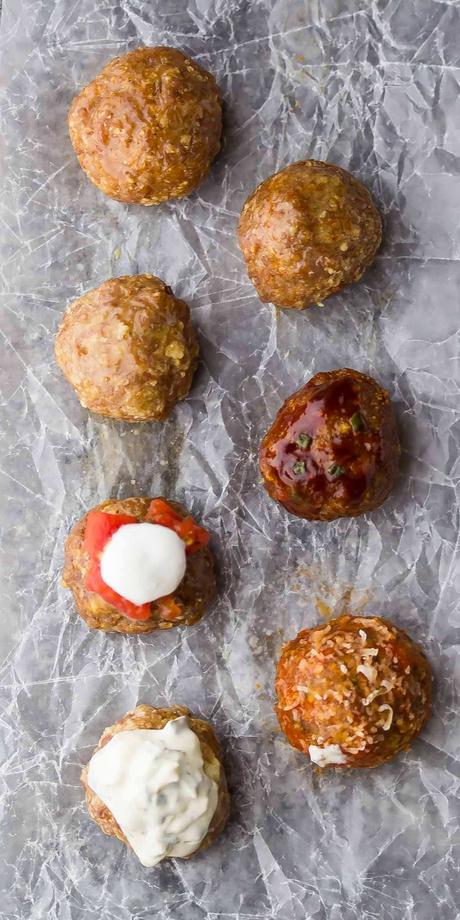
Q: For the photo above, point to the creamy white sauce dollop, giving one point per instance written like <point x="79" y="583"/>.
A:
<point x="143" y="562"/>
<point x="154" y="783"/>
<point x="324" y="757"/>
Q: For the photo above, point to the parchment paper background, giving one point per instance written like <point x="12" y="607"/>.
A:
<point x="373" y="87"/>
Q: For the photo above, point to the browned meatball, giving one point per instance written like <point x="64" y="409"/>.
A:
<point x="147" y="128"/>
<point x="306" y="232"/>
<point x="191" y="599"/>
<point x="128" y="348"/>
<point x="333" y="448"/>
<point x="352" y="693"/>
<point x="148" y="717"/>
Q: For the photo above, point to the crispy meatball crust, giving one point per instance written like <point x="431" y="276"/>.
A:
<point x="147" y="128"/>
<point x="128" y="348"/>
<point x="357" y="682"/>
<point x="333" y="449"/>
<point x="195" y="592"/>
<point x="307" y="232"/>
<point x="146" y="717"/>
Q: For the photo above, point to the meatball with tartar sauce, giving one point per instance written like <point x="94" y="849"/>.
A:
<point x="353" y="692"/>
<point x="333" y="449"/>
<point x="157" y="783"/>
<point x="138" y="564"/>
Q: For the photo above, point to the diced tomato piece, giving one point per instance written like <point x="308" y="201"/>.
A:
<point x="160" y="512"/>
<point x="194" y="536"/>
<point x="169" y="609"/>
<point x="95" y="583"/>
<point x="100" y="526"/>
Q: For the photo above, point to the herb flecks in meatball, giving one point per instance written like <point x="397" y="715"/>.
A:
<point x="128" y="348"/>
<point x="333" y="448"/>
<point x="306" y="232"/>
<point x="352" y="693"/>
<point x="147" y="128"/>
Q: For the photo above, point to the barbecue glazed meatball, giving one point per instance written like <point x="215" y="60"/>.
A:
<point x="333" y="448"/>
<point x="148" y="127"/>
<point x="128" y="348"/>
<point x="193" y="595"/>
<point x="352" y="693"/>
<point x="148" y="717"/>
<point x="306" y="232"/>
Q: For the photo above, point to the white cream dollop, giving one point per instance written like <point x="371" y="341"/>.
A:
<point x="154" y="783"/>
<point x="323" y="757"/>
<point x="143" y="562"/>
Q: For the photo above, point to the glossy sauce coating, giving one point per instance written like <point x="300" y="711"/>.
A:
<point x="333" y="449"/>
<point x="306" y="232"/>
<point x="147" y="128"/>
<point x="357" y="683"/>
<point x="194" y="594"/>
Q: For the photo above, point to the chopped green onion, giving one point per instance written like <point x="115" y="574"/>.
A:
<point x="299" y="467"/>
<point x="304" y="440"/>
<point x="336" y="470"/>
<point x="357" y="422"/>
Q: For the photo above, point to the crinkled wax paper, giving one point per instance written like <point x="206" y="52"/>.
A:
<point x="372" y="86"/>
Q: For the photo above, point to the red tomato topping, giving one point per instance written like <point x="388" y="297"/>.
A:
<point x="100" y="527"/>
<point x="94" y="583"/>
<point x="194" y="536"/>
<point x="169" y="610"/>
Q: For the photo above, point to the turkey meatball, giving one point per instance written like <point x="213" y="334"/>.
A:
<point x="129" y="349"/>
<point x="306" y="232"/>
<point x="333" y="448"/>
<point x="99" y="562"/>
<point x="352" y="693"/>
<point x="147" y="128"/>
<point x="171" y="798"/>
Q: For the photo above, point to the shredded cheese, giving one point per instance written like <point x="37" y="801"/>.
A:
<point x="385" y="707"/>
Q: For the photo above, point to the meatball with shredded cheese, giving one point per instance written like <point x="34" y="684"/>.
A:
<point x="333" y="448"/>
<point x="306" y="232"/>
<point x="352" y="693"/>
